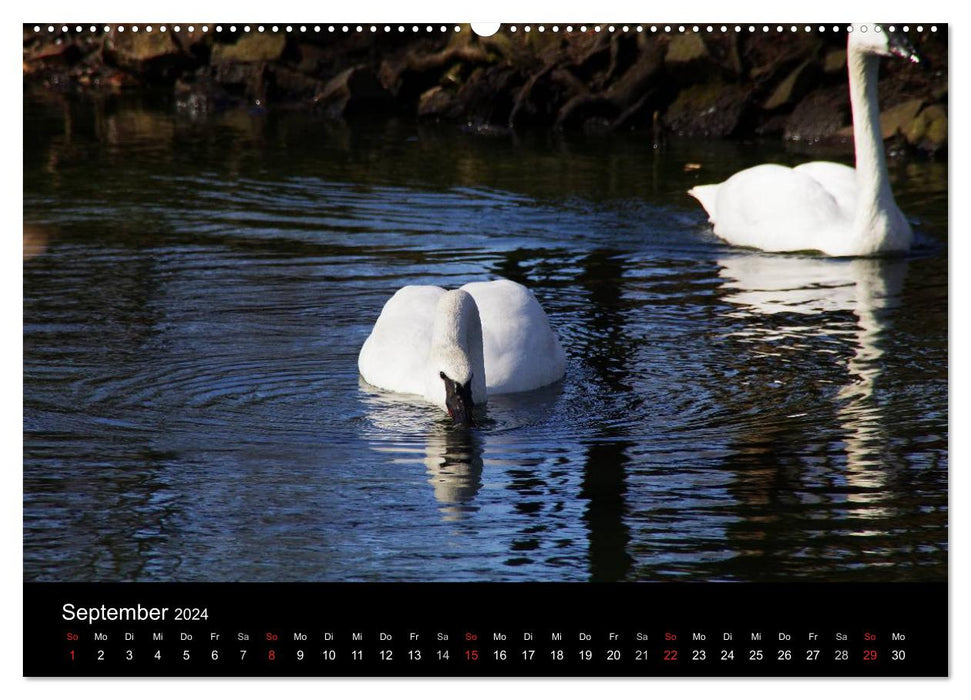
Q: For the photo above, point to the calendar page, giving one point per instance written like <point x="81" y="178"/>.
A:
<point x="447" y="349"/>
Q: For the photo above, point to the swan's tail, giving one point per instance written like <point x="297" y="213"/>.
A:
<point x="706" y="194"/>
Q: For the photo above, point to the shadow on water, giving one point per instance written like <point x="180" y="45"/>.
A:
<point x="604" y="471"/>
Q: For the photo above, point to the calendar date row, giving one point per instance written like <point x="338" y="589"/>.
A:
<point x="413" y="655"/>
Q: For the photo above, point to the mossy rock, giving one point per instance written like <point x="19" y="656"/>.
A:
<point x="928" y="130"/>
<point x="685" y="48"/>
<point x="129" y="48"/>
<point x="834" y="61"/>
<point x="252" y="48"/>
<point x="899" y="118"/>
<point x="796" y="84"/>
<point x="151" y="57"/>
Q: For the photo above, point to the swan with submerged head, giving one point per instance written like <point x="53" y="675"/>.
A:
<point x="822" y="206"/>
<point x="457" y="347"/>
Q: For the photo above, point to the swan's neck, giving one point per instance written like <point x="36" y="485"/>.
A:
<point x="456" y="325"/>
<point x="872" y="181"/>
<point x="456" y="347"/>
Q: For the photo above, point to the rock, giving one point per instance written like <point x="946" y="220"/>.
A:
<point x="354" y="91"/>
<point x="771" y="56"/>
<point x="155" y="57"/>
<point x="290" y="84"/>
<point x="775" y="125"/>
<point x="685" y="48"/>
<point x="719" y="84"/>
<point x="929" y="129"/>
<point x="439" y="103"/>
<point x="795" y="85"/>
<point x="201" y="93"/>
<point x="251" y="48"/>
<point x="242" y="79"/>
<point x="708" y="109"/>
<point x="197" y="41"/>
<point x="141" y="47"/>
<point x="487" y="95"/>
<point x="688" y="60"/>
<point x="892" y="121"/>
<point x="896" y="119"/>
<point x="834" y="62"/>
<point x="819" y="115"/>
<point x="59" y="52"/>
<point x="312" y="58"/>
<point x="723" y="51"/>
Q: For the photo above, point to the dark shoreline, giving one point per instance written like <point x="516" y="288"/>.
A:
<point x="790" y="86"/>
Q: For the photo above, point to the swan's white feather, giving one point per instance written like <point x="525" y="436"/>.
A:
<point x="837" y="179"/>
<point x="708" y="196"/>
<point x="521" y="351"/>
<point x="775" y="208"/>
<point x="395" y="355"/>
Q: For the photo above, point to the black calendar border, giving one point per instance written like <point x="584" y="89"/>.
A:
<point x="917" y="613"/>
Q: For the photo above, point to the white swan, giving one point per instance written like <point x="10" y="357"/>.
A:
<point x="822" y="206"/>
<point x="457" y="347"/>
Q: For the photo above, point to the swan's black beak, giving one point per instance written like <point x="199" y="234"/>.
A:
<point x="458" y="401"/>
<point x="901" y="46"/>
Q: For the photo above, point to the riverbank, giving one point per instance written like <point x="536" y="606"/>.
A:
<point x="789" y="85"/>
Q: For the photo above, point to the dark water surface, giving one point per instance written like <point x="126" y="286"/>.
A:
<point x="196" y="292"/>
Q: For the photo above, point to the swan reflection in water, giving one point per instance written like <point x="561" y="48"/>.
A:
<point x="453" y="460"/>
<point x="807" y="298"/>
<point x="410" y="430"/>
<point x="413" y="431"/>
